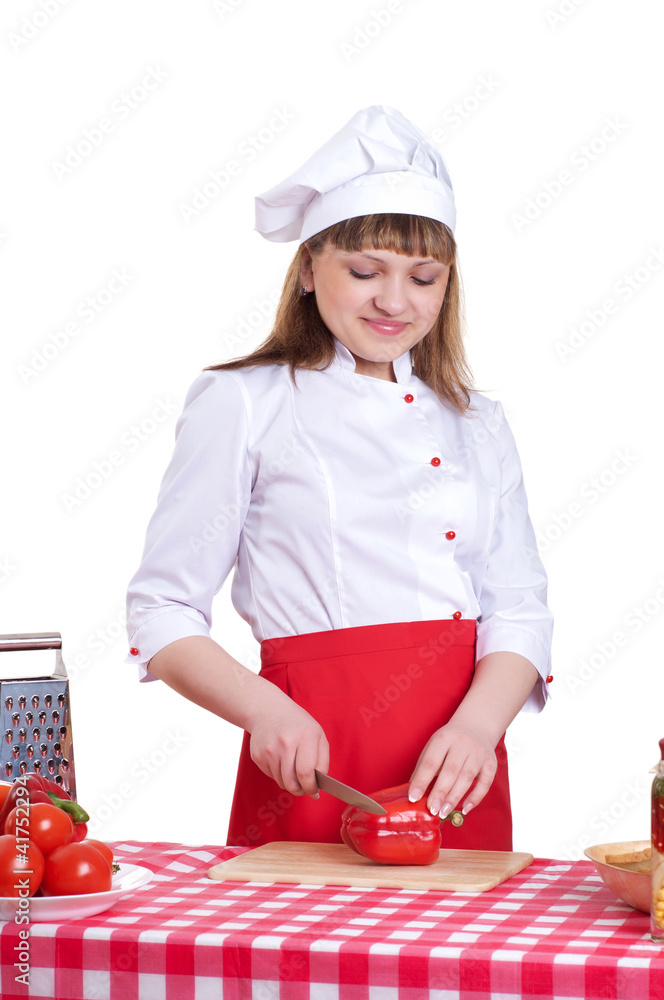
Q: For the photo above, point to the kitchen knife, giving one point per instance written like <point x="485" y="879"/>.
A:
<point x="348" y="794"/>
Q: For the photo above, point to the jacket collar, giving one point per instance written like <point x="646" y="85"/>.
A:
<point x="344" y="361"/>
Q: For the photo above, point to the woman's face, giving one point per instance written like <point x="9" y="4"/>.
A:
<point x="377" y="303"/>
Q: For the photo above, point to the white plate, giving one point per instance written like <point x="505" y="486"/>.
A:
<point x="84" y="905"/>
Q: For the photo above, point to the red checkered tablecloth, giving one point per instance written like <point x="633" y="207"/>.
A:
<point x="552" y="931"/>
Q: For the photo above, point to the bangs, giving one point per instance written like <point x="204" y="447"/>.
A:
<point x="413" y="235"/>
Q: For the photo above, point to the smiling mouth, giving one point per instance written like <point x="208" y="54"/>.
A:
<point x="389" y="327"/>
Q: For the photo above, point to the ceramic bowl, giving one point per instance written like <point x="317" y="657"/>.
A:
<point x="631" y="886"/>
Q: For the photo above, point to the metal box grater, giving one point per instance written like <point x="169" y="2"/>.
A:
<point x="35" y="720"/>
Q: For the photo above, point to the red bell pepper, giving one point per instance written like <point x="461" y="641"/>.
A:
<point x="35" y="788"/>
<point x="407" y="835"/>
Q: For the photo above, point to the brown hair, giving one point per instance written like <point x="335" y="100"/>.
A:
<point x="300" y="339"/>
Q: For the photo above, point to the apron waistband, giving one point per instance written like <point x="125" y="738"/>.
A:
<point x="366" y="639"/>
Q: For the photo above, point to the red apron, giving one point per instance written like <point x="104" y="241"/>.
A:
<point x="379" y="692"/>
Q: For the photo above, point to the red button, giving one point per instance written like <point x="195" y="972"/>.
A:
<point x="435" y="461"/>
<point x="450" y="535"/>
<point x="409" y="398"/>
<point x="133" y="651"/>
<point x="549" y="678"/>
<point x="457" y="615"/>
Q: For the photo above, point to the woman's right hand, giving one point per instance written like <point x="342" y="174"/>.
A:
<point x="287" y="744"/>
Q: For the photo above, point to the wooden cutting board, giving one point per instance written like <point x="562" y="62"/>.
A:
<point x="336" y="864"/>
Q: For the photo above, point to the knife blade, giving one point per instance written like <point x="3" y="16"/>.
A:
<point x="348" y="794"/>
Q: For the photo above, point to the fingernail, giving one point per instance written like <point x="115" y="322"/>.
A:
<point x="414" y="795"/>
<point x="466" y="809"/>
<point x="444" y="811"/>
<point x="434" y="807"/>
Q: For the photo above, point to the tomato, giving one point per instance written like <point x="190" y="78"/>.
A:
<point x="104" y="848"/>
<point x="47" y="826"/>
<point x="21" y="866"/>
<point x="5" y="788"/>
<point x="74" y="869"/>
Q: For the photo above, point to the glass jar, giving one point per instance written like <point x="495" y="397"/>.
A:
<point x="657" y="853"/>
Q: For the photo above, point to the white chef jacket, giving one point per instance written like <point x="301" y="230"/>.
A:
<point x="345" y="501"/>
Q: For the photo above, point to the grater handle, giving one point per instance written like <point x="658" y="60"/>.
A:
<point x="30" y="640"/>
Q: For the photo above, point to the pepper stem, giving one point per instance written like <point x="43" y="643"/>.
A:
<point x="455" y="817"/>
<point x="77" y="813"/>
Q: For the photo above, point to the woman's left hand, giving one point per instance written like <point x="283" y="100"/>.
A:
<point x="457" y="755"/>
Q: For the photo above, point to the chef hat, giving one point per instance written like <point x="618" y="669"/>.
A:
<point x="378" y="162"/>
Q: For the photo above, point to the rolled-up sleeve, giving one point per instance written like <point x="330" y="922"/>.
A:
<point x="514" y="613"/>
<point x="193" y="536"/>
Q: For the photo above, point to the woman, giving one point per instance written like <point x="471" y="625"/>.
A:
<point x="374" y="508"/>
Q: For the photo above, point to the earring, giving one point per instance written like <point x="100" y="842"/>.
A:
<point x="303" y="290"/>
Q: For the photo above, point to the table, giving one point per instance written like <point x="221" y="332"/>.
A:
<point x="553" y="930"/>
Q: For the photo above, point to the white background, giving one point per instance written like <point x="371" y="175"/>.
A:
<point x="515" y="93"/>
